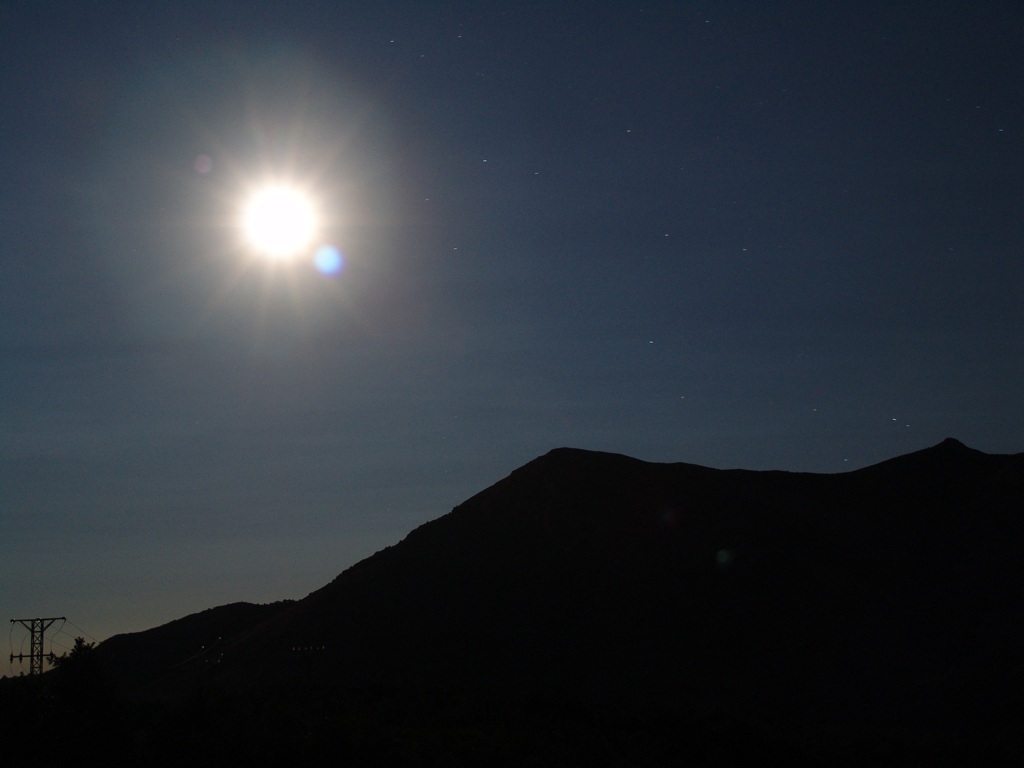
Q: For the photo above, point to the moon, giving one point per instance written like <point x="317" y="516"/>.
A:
<point x="279" y="221"/>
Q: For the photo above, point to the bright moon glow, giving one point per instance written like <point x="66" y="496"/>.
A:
<point x="279" y="221"/>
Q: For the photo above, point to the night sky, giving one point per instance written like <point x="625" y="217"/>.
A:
<point x="759" y="235"/>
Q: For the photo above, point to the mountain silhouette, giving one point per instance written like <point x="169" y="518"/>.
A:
<point x="883" y="603"/>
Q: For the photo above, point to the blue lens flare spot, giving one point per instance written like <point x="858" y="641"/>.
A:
<point x="328" y="260"/>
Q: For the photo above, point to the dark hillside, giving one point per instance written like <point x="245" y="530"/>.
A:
<point x="877" y="606"/>
<point x="162" y="657"/>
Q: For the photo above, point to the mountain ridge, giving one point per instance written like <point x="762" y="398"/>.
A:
<point x="882" y="598"/>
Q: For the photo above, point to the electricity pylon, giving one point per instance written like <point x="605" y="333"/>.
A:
<point x="37" y="627"/>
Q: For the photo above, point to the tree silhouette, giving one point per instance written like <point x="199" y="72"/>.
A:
<point x="78" y="676"/>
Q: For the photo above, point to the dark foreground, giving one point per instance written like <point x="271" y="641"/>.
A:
<point x="73" y="714"/>
<point x="592" y="609"/>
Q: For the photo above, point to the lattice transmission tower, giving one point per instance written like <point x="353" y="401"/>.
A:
<point x="36" y="655"/>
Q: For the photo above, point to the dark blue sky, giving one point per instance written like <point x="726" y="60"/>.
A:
<point x="770" y="236"/>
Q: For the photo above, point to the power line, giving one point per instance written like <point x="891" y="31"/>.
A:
<point x="84" y="634"/>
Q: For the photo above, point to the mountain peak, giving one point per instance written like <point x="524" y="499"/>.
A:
<point x="838" y="600"/>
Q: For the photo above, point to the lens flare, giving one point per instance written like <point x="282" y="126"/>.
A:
<point x="328" y="260"/>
